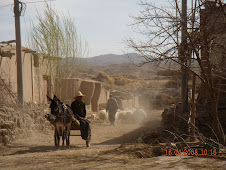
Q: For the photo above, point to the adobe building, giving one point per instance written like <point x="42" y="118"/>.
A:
<point x="36" y="73"/>
<point x="39" y="80"/>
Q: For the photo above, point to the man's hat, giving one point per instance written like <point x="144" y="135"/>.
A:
<point x="79" y="94"/>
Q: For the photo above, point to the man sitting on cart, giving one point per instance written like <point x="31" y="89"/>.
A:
<point x="79" y="110"/>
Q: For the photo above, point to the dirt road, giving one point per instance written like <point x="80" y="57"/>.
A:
<point x="37" y="151"/>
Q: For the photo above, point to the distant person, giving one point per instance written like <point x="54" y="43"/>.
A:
<point x="112" y="108"/>
<point x="79" y="110"/>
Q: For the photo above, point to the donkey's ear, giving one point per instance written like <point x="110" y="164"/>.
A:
<point x="55" y="98"/>
<point x="49" y="98"/>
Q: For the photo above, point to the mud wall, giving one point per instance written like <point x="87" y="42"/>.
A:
<point x="44" y="74"/>
<point x="33" y="76"/>
<point x="8" y="71"/>
<point x="93" y="91"/>
<point x="27" y="77"/>
<point x="65" y="89"/>
<point x="87" y="88"/>
<point x="95" y="97"/>
<point x="39" y="80"/>
<point x="9" y="74"/>
<point x="104" y="95"/>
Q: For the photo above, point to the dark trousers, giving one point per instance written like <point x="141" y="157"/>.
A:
<point x="85" y="129"/>
<point x="112" y="116"/>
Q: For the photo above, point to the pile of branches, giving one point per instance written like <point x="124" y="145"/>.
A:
<point x="8" y="97"/>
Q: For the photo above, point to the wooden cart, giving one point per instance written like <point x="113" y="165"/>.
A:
<point x="76" y="127"/>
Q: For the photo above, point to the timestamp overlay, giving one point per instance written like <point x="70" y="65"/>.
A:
<point x="190" y="152"/>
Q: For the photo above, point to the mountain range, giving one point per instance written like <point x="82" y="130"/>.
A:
<point x="108" y="59"/>
<point x="114" y="64"/>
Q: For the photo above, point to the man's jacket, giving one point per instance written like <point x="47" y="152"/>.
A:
<point x="112" y="105"/>
<point x="79" y="108"/>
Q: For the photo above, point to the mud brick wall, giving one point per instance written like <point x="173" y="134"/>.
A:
<point x="87" y="88"/>
<point x="65" y="89"/>
<point x="95" y="97"/>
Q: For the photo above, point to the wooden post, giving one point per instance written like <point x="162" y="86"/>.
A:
<point x="184" y="58"/>
<point x="193" y="104"/>
<point x="20" y="91"/>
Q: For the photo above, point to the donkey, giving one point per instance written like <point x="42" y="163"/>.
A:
<point x="63" y="119"/>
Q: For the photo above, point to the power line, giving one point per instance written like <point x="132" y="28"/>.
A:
<point x="28" y="3"/>
<point x="38" y="1"/>
<point x="5" y="5"/>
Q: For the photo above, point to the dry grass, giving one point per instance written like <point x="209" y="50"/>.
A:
<point x="169" y="72"/>
<point x="157" y="83"/>
<point x="164" y="99"/>
<point x="103" y="77"/>
<point x="172" y="84"/>
<point x="85" y="75"/>
<point x="121" y="81"/>
<point x="140" y="150"/>
<point x="128" y="81"/>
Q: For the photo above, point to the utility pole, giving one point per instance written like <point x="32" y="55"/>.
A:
<point x="184" y="58"/>
<point x="17" y="12"/>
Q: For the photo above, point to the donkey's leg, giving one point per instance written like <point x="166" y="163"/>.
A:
<point x="68" y="127"/>
<point x="55" y="137"/>
<point x="63" y="134"/>
<point x="58" y="139"/>
<point x="66" y="134"/>
<point x="68" y="140"/>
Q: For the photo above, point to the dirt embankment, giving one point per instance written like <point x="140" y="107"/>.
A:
<point x="14" y="123"/>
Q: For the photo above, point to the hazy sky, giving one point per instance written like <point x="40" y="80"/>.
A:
<point x="103" y="23"/>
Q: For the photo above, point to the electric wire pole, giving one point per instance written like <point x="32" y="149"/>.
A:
<point x="17" y="12"/>
<point x="184" y="57"/>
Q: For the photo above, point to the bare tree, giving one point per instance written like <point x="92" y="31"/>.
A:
<point x="160" y="27"/>
<point x="56" y="36"/>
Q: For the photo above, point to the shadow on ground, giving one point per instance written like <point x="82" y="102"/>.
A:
<point x="20" y="149"/>
<point x="133" y="136"/>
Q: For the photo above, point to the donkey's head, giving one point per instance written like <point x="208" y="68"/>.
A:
<point x="55" y="106"/>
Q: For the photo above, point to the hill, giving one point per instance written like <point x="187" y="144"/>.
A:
<point x="115" y="64"/>
<point x="108" y="59"/>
